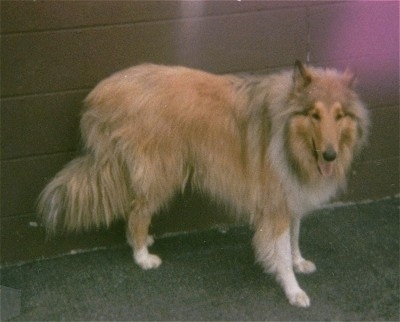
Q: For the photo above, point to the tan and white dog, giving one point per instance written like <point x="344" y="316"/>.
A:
<point x="272" y="147"/>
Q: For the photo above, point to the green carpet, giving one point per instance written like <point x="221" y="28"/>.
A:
<point x="211" y="275"/>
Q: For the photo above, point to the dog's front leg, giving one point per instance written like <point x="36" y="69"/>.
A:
<point x="273" y="251"/>
<point x="284" y="272"/>
<point x="300" y="264"/>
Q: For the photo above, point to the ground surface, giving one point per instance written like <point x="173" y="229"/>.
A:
<point x="211" y="275"/>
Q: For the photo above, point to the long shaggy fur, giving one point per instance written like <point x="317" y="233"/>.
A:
<point x="257" y="143"/>
<point x="86" y="193"/>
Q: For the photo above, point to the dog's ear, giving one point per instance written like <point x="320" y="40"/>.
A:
<point x="349" y="78"/>
<point x="301" y="76"/>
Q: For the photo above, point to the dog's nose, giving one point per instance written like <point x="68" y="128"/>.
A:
<point x="329" y="154"/>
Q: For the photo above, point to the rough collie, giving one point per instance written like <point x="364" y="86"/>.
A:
<point x="273" y="147"/>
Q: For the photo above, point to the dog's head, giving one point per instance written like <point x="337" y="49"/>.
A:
<point x="329" y="124"/>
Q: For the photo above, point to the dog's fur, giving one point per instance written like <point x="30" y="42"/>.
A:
<point x="274" y="147"/>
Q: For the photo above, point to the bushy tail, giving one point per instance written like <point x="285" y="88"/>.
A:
<point x="85" y="194"/>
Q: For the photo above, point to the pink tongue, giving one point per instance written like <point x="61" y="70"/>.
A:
<point x="325" y="167"/>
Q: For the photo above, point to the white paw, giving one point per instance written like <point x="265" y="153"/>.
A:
<point x="152" y="261"/>
<point x="299" y="299"/>
<point x="304" y="266"/>
<point x="146" y="260"/>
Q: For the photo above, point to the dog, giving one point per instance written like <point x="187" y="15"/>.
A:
<point x="274" y="147"/>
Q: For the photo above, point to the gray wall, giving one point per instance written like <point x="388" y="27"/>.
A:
<point x="53" y="53"/>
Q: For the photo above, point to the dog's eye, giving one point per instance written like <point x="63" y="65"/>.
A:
<point x="339" y="116"/>
<point x="315" y="116"/>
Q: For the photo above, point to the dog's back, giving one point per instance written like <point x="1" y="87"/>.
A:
<point x="169" y="123"/>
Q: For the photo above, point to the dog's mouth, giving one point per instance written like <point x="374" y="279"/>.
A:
<point x="325" y="168"/>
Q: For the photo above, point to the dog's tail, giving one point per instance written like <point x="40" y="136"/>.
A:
<point x="85" y="194"/>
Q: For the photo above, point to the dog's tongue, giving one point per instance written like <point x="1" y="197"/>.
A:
<point x="325" y="167"/>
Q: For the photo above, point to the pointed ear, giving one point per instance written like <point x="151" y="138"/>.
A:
<point x="301" y="76"/>
<point x="349" y="78"/>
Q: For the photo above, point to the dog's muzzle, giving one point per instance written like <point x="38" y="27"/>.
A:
<point x="325" y="162"/>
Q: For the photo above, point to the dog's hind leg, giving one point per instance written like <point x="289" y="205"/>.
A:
<point x="138" y="237"/>
<point x="154" y="181"/>
<point x="300" y="264"/>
